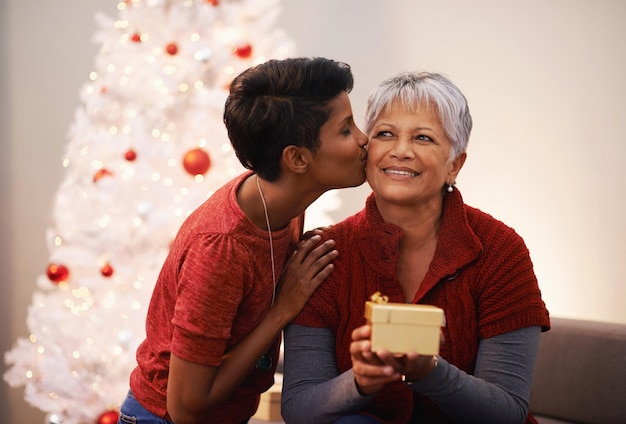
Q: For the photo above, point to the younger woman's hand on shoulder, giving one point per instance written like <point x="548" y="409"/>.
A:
<point x="315" y="231"/>
<point x="307" y="268"/>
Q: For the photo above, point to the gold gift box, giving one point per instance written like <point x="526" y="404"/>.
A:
<point x="404" y="327"/>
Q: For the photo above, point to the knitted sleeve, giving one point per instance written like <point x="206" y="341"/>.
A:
<point x="313" y="391"/>
<point x="499" y="391"/>
<point x="508" y="293"/>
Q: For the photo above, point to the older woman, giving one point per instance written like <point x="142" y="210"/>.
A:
<point x="416" y="241"/>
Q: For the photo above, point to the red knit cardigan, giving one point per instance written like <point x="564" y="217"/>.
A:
<point x="481" y="275"/>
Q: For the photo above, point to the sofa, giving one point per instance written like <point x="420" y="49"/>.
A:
<point x="580" y="373"/>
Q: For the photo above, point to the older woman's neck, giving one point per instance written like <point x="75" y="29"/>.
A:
<point x="420" y="223"/>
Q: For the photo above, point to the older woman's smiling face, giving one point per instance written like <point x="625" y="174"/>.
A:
<point x="408" y="155"/>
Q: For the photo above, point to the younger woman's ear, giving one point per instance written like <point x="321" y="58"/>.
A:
<point x="296" y="158"/>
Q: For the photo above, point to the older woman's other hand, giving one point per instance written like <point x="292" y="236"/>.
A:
<point x="370" y="372"/>
<point x="411" y="365"/>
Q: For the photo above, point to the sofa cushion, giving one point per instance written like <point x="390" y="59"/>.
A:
<point x="547" y="420"/>
<point x="580" y="373"/>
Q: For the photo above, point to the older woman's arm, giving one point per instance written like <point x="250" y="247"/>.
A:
<point x="499" y="390"/>
<point x="313" y="391"/>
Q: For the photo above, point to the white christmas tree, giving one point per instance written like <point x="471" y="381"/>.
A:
<point x="146" y="147"/>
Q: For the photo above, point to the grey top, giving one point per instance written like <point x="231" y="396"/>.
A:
<point x="498" y="392"/>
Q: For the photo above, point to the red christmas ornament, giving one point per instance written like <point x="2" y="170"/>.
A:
<point x="196" y="162"/>
<point x="103" y="89"/>
<point x="136" y="38"/>
<point x="103" y="172"/>
<point x="243" y="52"/>
<point x="106" y="270"/>
<point x="171" y="49"/>
<point x="57" y="273"/>
<point x="213" y="2"/>
<point x="108" y="417"/>
<point x="130" y="155"/>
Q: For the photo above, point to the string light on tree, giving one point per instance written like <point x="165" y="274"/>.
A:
<point x="203" y="55"/>
<point x="53" y="419"/>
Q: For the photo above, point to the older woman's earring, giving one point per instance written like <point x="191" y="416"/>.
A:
<point x="450" y="188"/>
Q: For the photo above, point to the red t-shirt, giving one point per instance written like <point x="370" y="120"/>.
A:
<point x="214" y="288"/>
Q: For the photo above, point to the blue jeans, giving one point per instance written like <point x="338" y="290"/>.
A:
<point x="357" y="419"/>
<point x="132" y="412"/>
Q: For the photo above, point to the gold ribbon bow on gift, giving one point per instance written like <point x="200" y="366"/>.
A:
<point x="379" y="298"/>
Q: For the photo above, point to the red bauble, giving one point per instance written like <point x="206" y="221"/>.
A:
<point x="106" y="270"/>
<point x="108" y="417"/>
<point x="136" y="38"/>
<point x="171" y="49"/>
<point x="130" y="155"/>
<point x="57" y="273"/>
<point x="100" y="174"/>
<point x="244" y="51"/>
<point x="213" y="2"/>
<point x="196" y="162"/>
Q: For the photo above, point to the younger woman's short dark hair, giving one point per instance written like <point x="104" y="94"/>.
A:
<point x="280" y="103"/>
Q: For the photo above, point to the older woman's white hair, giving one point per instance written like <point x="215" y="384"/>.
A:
<point x="413" y="89"/>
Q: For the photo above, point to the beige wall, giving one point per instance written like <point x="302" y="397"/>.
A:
<point x="544" y="79"/>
